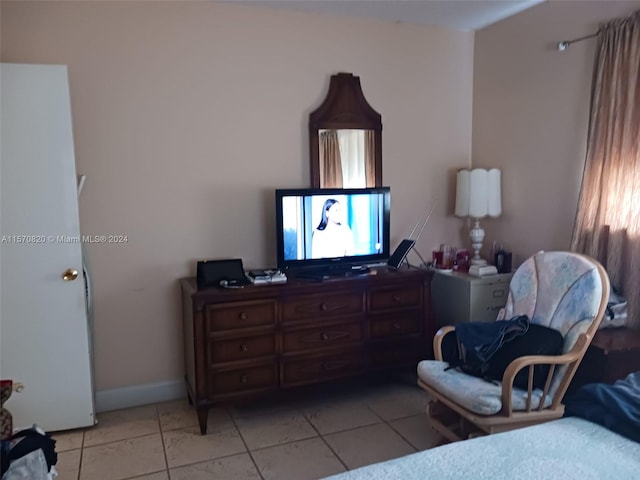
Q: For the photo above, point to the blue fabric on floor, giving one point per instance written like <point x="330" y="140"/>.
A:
<point x="616" y="406"/>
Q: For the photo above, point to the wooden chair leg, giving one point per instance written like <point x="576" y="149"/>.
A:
<point x="444" y="421"/>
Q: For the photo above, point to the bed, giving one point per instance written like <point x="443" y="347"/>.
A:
<point x="566" y="449"/>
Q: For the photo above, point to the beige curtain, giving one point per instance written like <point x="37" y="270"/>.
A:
<point x="352" y="153"/>
<point x="370" y="158"/>
<point x="330" y="161"/>
<point x="610" y="193"/>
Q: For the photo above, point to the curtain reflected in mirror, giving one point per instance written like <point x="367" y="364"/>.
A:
<point x="347" y="158"/>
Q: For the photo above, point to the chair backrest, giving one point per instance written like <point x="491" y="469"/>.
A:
<point x="565" y="291"/>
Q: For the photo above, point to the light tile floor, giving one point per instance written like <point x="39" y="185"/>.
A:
<point x="307" y="435"/>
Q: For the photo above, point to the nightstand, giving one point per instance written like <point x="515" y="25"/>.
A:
<point x="459" y="297"/>
<point x="613" y="354"/>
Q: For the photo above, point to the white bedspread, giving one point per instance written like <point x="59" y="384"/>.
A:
<point x="565" y="449"/>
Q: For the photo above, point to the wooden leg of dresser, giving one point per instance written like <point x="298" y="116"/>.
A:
<point x="203" y="414"/>
<point x="188" y="389"/>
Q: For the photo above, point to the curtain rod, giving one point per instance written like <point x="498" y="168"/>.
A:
<point x="562" y="46"/>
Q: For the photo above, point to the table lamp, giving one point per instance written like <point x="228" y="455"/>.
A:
<point x="478" y="196"/>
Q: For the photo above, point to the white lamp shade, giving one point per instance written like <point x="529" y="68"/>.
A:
<point x="463" y="187"/>
<point x="494" y="197"/>
<point x="478" y="193"/>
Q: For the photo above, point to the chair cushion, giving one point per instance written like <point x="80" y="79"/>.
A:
<point x="472" y="393"/>
<point x="560" y="290"/>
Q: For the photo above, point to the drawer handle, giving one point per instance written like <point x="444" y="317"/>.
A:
<point x="397" y="325"/>
<point x="332" y="366"/>
<point x="243" y="315"/>
<point x="396" y="298"/>
<point x="324" y="307"/>
<point x="244" y="379"/>
<point x="324" y="336"/>
<point x="244" y="347"/>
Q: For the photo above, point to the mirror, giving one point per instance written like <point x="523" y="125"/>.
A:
<point x="345" y="138"/>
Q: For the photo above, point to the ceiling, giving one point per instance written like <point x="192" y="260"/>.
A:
<point x="466" y="15"/>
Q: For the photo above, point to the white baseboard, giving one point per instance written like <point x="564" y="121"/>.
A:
<point x="136" y="395"/>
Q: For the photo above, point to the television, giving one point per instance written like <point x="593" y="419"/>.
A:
<point x="329" y="231"/>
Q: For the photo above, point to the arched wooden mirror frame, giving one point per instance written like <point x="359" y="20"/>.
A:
<point x="344" y="107"/>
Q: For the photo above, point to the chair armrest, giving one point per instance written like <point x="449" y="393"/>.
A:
<point x="437" y="341"/>
<point x="573" y="355"/>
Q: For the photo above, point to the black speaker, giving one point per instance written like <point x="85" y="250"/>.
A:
<point x="400" y="253"/>
<point x="221" y="273"/>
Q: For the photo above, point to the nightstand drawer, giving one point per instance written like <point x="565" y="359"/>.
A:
<point x="322" y="306"/>
<point x="322" y="337"/>
<point x="241" y="348"/>
<point x="228" y="316"/>
<point x="487" y="300"/>
<point x="458" y="297"/>
<point x="380" y="300"/>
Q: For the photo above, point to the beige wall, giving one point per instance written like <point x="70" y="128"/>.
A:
<point x="188" y="115"/>
<point x="530" y="117"/>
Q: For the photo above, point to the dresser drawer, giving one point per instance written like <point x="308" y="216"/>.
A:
<point x="331" y="304"/>
<point x="322" y="337"/>
<point x="241" y="348"/>
<point x="300" y="371"/>
<point x="228" y="316"/>
<point x="400" y="324"/>
<point x="380" y="300"/>
<point x="240" y="380"/>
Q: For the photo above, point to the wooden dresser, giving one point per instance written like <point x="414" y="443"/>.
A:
<point x="249" y="341"/>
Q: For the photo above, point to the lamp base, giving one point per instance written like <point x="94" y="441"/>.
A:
<point x="482" y="270"/>
<point x="477" y="236"/>
<point x="478" y="261"/>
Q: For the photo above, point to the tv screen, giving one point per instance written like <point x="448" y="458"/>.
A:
<point x="332" y="228"/>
